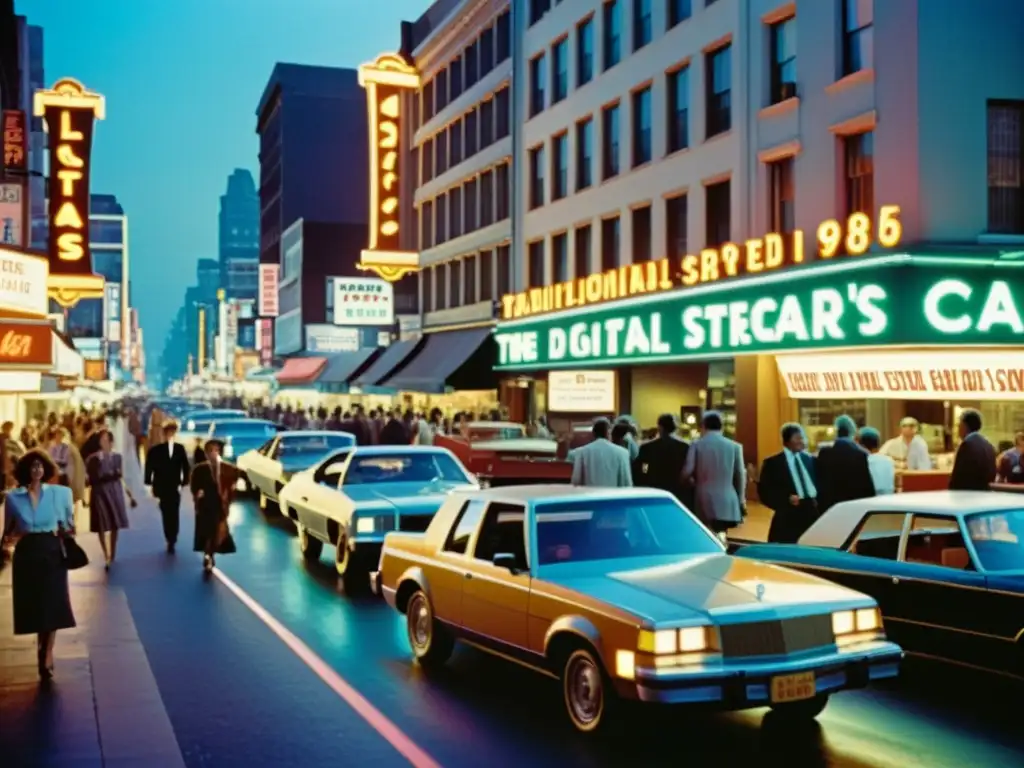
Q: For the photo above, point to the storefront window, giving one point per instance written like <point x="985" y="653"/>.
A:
<point x="1000" y="421"/>
<point x="818" y="416"/>
<point x="721" y="393"/>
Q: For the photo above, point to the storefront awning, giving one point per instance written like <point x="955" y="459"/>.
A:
<point x="342" y="366"/>
<point x="390" y="360"/>
<point x="298" y="371"/>
<point x="437" y="360"/>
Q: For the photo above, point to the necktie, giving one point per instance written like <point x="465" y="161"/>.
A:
<point x="798" y="477"/>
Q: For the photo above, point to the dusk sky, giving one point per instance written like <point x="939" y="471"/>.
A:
<point x="182" y="80"/>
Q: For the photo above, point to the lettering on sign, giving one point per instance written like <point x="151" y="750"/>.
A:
<point x="15" y="141"/>
<point x="756" y="256"/>
<point x="26" y="345"/>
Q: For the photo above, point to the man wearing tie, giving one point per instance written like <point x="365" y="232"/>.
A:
<point x="787" y="487"/>
<point x="212" y="487"/>
<point x="167" y="470"/>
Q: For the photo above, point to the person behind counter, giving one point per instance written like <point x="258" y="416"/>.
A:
<point x="974" y="468"/>
<point x="908" y="450"/>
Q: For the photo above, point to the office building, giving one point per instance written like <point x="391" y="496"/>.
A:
<point x="239" y="236"/>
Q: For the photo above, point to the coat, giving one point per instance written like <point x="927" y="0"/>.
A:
<point x="167" y="471"/>
<point x="212" y="508"/>
<point x="974" y="467"/>
<point x="843" y="474"/>
<point x="774" y="488"/>
<point x="715" y="463"/>
<point x="659" y="464"/>
<point x="601" y="464"/>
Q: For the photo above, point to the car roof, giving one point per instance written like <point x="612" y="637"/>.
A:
<point x="215" y="424"/>
<point x="390" y="450"/>
<point x="313" y="433"/>
<point x="538" y="494"/>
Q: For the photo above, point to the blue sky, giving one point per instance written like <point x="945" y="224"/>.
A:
<point x="182" y="80"/>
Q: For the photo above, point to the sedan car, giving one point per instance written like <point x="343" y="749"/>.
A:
<point x="624" y="594"/>
<point x="947" y="569"/>
<point x="270" y="466"/>
<point x="241" y="435"/>
<point x="352" y="498"/>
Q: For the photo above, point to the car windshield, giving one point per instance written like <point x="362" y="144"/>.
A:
<point x="615" y="529"/>
<point x="998" y="538"/>
<point x="404" y="468"/>
<point x="506" y="432"/>
<point x="293" y="446"/>
<point x="242" y="428"/>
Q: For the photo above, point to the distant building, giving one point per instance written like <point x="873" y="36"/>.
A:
<point x="31" y="79"/>
<point x="239" y="236"/>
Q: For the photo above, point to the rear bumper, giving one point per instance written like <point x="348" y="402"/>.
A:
<point x="375" y="582"/>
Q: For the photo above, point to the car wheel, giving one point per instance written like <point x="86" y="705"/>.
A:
<point x="269" y="506"/>
<point x="802" y="711"/>
<point x="585" y="690"/>
<point x="350" y="567"/>
<point x="431" y="643"/>
<point x="309" y="546"/>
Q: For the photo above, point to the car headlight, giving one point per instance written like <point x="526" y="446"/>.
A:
<point x="190" y="425"/>
<point x="685" y="640"/>
<point x="366" y="525"/>
<point x="860" y="620"/>
<point x="229" y="452"/>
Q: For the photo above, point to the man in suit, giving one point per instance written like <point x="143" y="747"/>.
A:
<point x="212" y="485"/>
<point x="601" y="463"/>
<point x="974" y="467"/>
<point x="787" y="487"/>
<point x="714" y="465"/>
<point x="660" y="462"/>
<point x="843" y="473"/>
<point x="167" y="470"/>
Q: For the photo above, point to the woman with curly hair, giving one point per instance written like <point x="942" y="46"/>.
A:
<point x="38" y="514"/>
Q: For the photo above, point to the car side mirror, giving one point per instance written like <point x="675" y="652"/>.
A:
<point x="507" y="561"/>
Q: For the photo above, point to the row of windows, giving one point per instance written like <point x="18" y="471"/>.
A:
<point x="1005" y="122"/>
<point x="483" y="276"/>
<point x="476" y="203"/>
<point x="473" y="132"/>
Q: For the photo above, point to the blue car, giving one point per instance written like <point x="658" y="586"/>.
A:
<point x="946" y="567"/>
<point x="241" y="435"/>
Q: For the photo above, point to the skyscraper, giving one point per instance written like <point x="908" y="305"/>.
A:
<point x="239" y="236"/>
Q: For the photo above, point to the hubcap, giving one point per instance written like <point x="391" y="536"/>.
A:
<point x="585" y="690"/>
<point x="419" y="623"/>
<point x="341" y="559"/>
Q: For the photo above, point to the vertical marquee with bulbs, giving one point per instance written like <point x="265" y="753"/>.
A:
<point x="385" y="81"/>
<point x="70" y="112"/>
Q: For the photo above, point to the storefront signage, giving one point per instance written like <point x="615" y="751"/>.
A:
<point x="363" y="301"/>
<point x="70" y="112"/>
<point x="581" y="392"/>
<point x="386" y="80"/>
<point x="23" y="284"/>
<point x="15" y="140"/>
<point x="905" y="375"/>
<point x="112" y="311"/>
<point x="12" y="214"/>
<point x="265" y="339"/>
<point x="332" y="339"/>
<point x="758" y="256"/>
<point x="269" y="274"/>
<point x="26" y="346"/>
<point x="95" y="370"/>
<point x="877" y="301"/>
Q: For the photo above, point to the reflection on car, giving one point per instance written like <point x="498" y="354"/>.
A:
<point x="240" y="435"/>
<point x="270" y="466"/>
<point x="947" y="569"/>
<point x="624" y="594"/>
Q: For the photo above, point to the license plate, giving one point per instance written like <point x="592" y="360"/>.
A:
<point x="793" y="687"/>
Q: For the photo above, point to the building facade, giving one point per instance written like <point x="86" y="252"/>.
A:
<point x="662" y="145"/>
<point x="238" y="241"/>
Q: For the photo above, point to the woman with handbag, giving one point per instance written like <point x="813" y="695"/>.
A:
<point x="42" y="517"/>
<point x="107" y="513"/>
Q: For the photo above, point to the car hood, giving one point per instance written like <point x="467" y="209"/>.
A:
<point x="720" y="588"/>
<point x="406" y="498"/>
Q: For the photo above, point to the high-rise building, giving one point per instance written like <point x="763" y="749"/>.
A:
<point x="239" y="236"/>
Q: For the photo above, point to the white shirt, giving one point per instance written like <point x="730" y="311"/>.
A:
<point x="801" y="478"/>
<point x="914" y="456"/>
<point x="883" y="473"/>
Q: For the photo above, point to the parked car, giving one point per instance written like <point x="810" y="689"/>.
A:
<point x="624" y="594"/>
<point x="947" y="569"/>
<point x="352" y="498"/>
<point x="270" y="466"/>
<point x="190" y="419"/>
<point x="240" y="435"/>
<point x="500" y="453"/>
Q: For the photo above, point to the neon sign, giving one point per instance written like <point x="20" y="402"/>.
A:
<point x="853" y="237"/>
<point x="385" y="80"/>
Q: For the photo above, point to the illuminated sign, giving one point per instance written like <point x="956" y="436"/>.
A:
<point x="269" y="279"/>
<point x="363" y="301"/>
<point x="26" y="346"/>
<point x="23" y="284"/>
<point x="906" y="375"/>
<point x="877" y="301"/>
<point x="12" y="214"/>
<point x="15" y="140"/>
<point x="70" y="113"/>
<point x="582" y="392"/>
<point x="753" y="257"/>
<point x="385" y="81"/>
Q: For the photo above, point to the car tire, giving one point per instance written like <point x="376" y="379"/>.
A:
<point x="801" y="711"/>
<point x="431" y="643"/>
<point x="587" y="692"/>
<point x="309" y="546"/>
<point x="269" y="507"/>
<point x="351" y="568"/>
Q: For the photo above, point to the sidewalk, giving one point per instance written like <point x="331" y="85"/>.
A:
<point x="755" y="527"/>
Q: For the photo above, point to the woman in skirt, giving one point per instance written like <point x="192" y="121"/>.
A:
<point x="107" y="514"/>
<point x="37" y="515"/>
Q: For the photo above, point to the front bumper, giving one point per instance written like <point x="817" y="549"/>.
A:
<point x="748" y="684"/>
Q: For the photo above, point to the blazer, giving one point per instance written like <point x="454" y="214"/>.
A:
<point x="601" y="464"/>
<point x="659" y="464"/>
<point x="776" y="485"/>
<point x="715" y="463"/>
<point x="974" y="467"/>
<point x="843" y="474"/>
<point x="167" y="471"/>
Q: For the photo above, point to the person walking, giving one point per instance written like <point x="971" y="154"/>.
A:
<point x="787" y="487"/>
<point x="167" y="472"/>
<point x="60" y="452"/>
<point x="843" y="473"/>
<point x="974" y="467"/>
<point x="1011" y="468"/>
<point x="660" y="462"/>
<point x="107" y="513"/>
<point x="38" y="514"/>
<point x="714" y="464"/>
<point x="600" y="463"/>
<point x="212" y="485"/>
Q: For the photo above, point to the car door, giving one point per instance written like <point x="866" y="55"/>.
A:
<point x="257" y="469"/>
<point x="496" y="601"/>
<point x="319" y="496"/>
<point x="448" y="580"/>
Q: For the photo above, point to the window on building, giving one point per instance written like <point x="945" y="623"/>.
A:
<point x="469" y="280"/>
<point x="503" y="269"/>
<point x="642" y="142"/>
<point x="441" y="153"/>
<point x="581" y="251"/>
<point x="610" y="243"/>
<point x="486" y="51"/>
<point x="1006" y="167"/>
<point x="471" y="64"/>
<point x="538" y="73"/>
<point x="454" y="212"/>
<point x="642" y="30"/>
<point x="430" y="294"/>
<point x="781" y="196"/>
<point x="859" y="155"/>
<point x="502" y="113"/>
<point x="455" y="78"/>
<point x="486" y="275"/>
<point x="783" y="62"/>
<point x="455" y="283"/>
<point x="537" y="10"/>
<point x="471" y="128"/>
<point x="559" y="166"/>
<point x="718" y="213"/>
<point x="427" y="107"/>
<point x="584" y="153"/>
<point x="441" y="89"/>
<point x="427" y="160"/>
<point x="678" y="11"/>
<point x="503" y="41"/>
<point x="486" y="198"/>
<point x="535" y="264"/>
<point x="718" y="71"/>
<point x="502" y="192"/>
<point x="426" y="225"/>
<point x="559" y="70"/>
<point x="440" y="219"/>
<point x="641" y="235"/>
<point x="610" y="142"/>
<point x="858" y="35"/>
<point x="612" y="33"/>
<point x="678" y="110"/>
<point x="469" y="201"/>
<point x="536" y="177"/>
<point x="486" y="123"/>
<point x="676" y="211"/>
<point x="441" y="286"/>
<point x="416" y="117"/>
<point x="455" y="143"/>
<point x="560" y="258"/>
<point x="584" y="51"/>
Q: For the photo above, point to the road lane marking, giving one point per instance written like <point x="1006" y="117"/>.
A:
<point x="373" y="716"/>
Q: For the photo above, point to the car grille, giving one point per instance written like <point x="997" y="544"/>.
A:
<point x="772" y="638"/>
<point x="414" y="523"/>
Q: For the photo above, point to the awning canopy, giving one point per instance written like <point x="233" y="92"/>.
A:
<point x="298" y="371"/>
<point x="343" y="365"/>
<point x="389" y="361"/>
<point x="438" y="359"/>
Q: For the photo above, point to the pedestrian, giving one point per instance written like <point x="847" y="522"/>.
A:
<point x="38" y="514"/>
<point x="91" y="444"/>
<point x="107" y="513"/>
<point x="212" y="484"/>
<point x="843" y="473"/>
<point x="394" y="431"/>
<point x="600" y="463"/>
<point x="630" y="436"/>
<point x="167" y="472"/>
<point x="714" y="465"/>
<point x="1010" y="469"/>
<point x="881" y="465"/>
<point x="974" y="467"/>
<point x="137" y="432"/>
<point x="787" y="486"/>
<point x="428" y="428"/>
<point x="660" y="462"/>
<point x="60" y="452"/>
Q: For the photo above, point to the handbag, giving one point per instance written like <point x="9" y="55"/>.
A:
<point x="72" y="554"/>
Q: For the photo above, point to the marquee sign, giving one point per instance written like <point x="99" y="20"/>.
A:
<point x="23" y="345"/>
<point x="15" y="140"/>
<point x="385" y="81"/>
<point x="70" y="112"/>
<point x="23" y="284"/>
<point x="879" y="301"/>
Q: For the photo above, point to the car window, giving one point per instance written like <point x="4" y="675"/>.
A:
<point x="998" y="539"/>
<point x="265" y="448"/>
<point x="878" y="535"/>
<point x="404" y="468"/>
<point x="936" y="540"/>
<point x="244" y="428"/>
<point x="330" y="471"/>
<point x="465" y="524"/>
<point x="298" y="444"/>
<point x="503" y="531"/>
